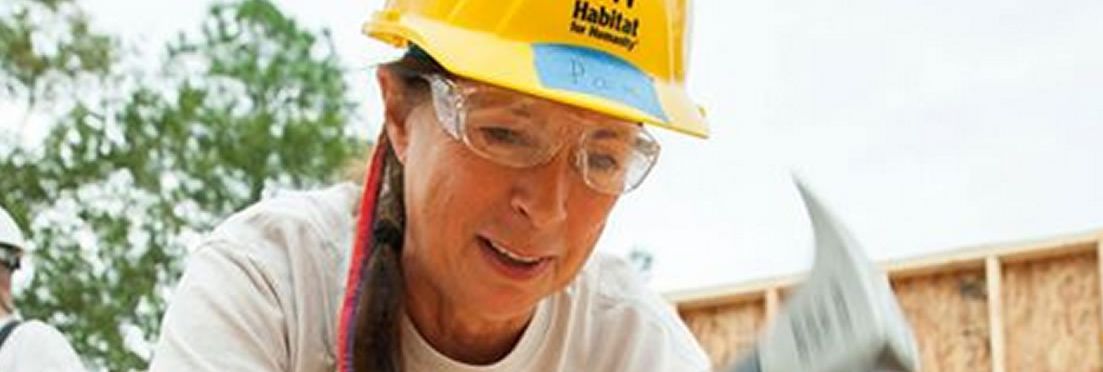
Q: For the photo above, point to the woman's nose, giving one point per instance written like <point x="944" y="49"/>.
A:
<point x="541" y="192"/>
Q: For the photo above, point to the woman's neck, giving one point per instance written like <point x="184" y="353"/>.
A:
<point x="456" y="330"/>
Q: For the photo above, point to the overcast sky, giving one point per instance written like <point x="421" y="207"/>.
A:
<point x="927" y="125"/>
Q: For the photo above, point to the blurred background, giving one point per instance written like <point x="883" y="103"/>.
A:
<point x="128" y="129"/>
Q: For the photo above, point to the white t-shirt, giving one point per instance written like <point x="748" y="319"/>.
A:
<point x="35" y="346"/>
<point x="263" y="291"/>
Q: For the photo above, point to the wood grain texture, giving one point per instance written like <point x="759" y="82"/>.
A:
<point x="949" y="315"/>
<point x="727" y="332"/>
<point x="1052" y="315"/>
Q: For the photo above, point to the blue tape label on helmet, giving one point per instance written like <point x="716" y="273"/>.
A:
<point x="594" y="72"/>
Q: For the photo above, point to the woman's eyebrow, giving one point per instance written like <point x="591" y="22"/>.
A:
<point x="521" y="110"/>
<point x="607" y="133"/>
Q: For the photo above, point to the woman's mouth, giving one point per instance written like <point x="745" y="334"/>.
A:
<point x="511" y="263"/>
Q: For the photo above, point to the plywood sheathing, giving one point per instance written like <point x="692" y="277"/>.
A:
<point x="949" y="315"/>
<point x="726" y="332"/>
<point x="1052" y="315"/>
<point x="959" y="259"/>
<point x="924" y="308"/>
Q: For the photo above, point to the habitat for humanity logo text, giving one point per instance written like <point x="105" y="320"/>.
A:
<point x="611" y="24"/>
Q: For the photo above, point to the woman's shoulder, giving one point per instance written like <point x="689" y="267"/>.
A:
<point x="295" y="240"/>
<point x="38" y="332"/>
<point x="50" y="348"/>
<point x="323" y="210"/>
<point x="315" y="220"/>
<point x="275" y="270"/>
<point x="626" y="314"/>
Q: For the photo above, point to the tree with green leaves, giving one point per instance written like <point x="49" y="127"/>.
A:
<point x="128" y="177"/>
<point x="47" y="46"/>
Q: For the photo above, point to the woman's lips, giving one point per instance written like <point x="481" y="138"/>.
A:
<point x="510" y="263"/>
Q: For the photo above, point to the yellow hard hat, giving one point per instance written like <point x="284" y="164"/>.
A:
<point x="624" y="58"/>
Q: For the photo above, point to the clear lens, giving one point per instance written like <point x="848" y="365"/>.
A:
<point x="447" y="103"/>
<point x="511" y="130"/>
<point x="618" y="164"/>
<point x="515" y="140"/>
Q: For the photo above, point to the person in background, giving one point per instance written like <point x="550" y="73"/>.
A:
<point x="26" y="345"/>
<point x="510" y="130"/>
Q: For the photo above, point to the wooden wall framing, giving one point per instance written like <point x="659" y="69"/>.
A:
<point x="1033" y="306"/>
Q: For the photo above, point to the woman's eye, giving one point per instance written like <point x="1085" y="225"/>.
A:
<point x="502" y="136"/>
<point x="602" y="163"/>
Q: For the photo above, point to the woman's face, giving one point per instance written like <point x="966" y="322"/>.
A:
<point x="486" y="237"/>
<point x="7" y="305"/>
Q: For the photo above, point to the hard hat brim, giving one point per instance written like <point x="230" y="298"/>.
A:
<point x="516" y="65"/>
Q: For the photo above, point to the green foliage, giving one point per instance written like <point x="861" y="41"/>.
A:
<point x="33" y="65"/>
<point x="124" y="182"/>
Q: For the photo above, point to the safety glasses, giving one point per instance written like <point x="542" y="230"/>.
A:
<point x="9" y="257"/>
<point x="520" y="131"/>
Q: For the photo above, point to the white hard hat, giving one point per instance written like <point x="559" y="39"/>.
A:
<point x="10" y="234"/>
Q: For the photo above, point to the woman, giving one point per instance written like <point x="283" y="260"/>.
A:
<point x="510" y="130"/>
<point x="26" y="345"/>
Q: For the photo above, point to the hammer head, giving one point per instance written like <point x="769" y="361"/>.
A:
<point x="844" y="318"/>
